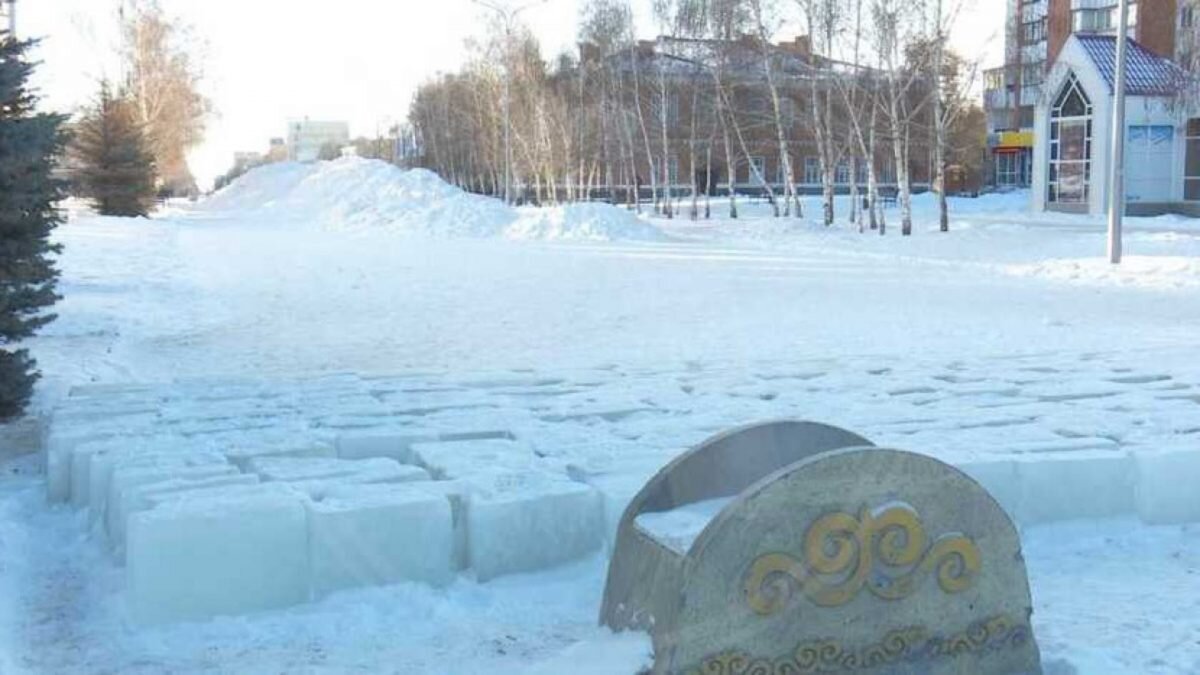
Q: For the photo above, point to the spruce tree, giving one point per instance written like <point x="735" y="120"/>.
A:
<point x="115" y="166"/>
<point x="29" y="146"/>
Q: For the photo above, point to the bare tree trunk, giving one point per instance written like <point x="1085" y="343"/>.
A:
<point x="629" y="152"/>
<point x="939" y="121"/>
<point x="664" y="114"/>
<point x="899" y="152"/>
<point x="730" y="167"/>
<point x="872" y="175"/>
<point x="641" y="118"/>
<point x="708" y="179"/>
<point x="737" y="129"/>
<point x="823" y="153"/>
<point x="854" y="205"/>
<point x="789" y="185"/>
<point x="695" y="210"/>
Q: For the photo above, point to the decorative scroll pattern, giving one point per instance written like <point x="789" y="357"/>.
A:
<point x="884" y="549"/>
<point x="909" y="644"/>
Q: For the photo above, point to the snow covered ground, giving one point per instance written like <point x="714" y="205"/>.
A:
<point x="611" y="343"/>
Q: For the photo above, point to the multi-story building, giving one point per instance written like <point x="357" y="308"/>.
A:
<point x="1073" y="114"/>
<point x="306" y="138"/>
<point x="1035" y="33"/>
<point x="695" y="131"/>
<point x="8" y="16"/>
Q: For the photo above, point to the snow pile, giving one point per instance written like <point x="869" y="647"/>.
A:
<point x="361" y="194"/>
<point x="263" y="187"/>
<point x="585" y="221"/>
<point x="1153" y="272"/>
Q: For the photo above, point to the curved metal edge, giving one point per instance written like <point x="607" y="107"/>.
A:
<point x="618" y="583"/>
<point x="718" y="521"/>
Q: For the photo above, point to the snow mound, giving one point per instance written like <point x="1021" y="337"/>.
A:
<point x="263" y="187"/>
<point x="1151" y="272"/>
<point x="587" y="221"/>
<point x="362" y="194"/>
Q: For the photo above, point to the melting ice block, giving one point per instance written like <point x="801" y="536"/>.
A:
<point x="126" y="478"/>
<point x="380" y="537"/>
<point x="1069" y="485"/>
<point x="381" y="442"/>
<point x="316" y="476"/>
<point x="294" y="469"/>
<point x="224" y="554"/>
<point x="530" y="520"/>
<point x="139" y="498"/>
<point x="1168" y="486"/>
<point x="242" y="453"/>
<point x="463" y="458"/>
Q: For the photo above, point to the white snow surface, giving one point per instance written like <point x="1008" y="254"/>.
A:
<point x="679" y="527"/>
<point x="998" y="344"/>
<point x="355" y="193"/>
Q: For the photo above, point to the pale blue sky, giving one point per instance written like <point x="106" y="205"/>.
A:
<point x="357" y="60"/>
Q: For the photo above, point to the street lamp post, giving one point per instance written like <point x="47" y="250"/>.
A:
<point x="507" y="16"/>
<point x="1116" y="162"/>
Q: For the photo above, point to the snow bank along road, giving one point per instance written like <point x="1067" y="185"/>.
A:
<point x="1072" y="390"/>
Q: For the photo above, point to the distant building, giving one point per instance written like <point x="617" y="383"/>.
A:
<point x="8" y="16"/>
<point x="1036" y="32"/>
<point x="307" y="137"/>
<point x="683" y="62"/>
<point x="1071" y="155"/>
<point x="278" y="151"/>
<point x="247" y="158"/>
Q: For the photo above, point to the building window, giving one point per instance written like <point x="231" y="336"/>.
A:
<point x="672" y="170"/>
<point x="841" y="174"/>
<point x="1191" y="168"/>
<point x="1031" y="73"/>
<point x="756" y="170"/>
<point x="1025" y="115"/>
<point x="1070" y="145"/>
<point x="1009" y="168"/>
<point x="787" y="111"/>
<point x="1101" y="19"/>
<point x="673" y="108"/>
<point x="994" y="79"/>
<point x="781" y="174"/>
<point x="1148" y="152"/>
<point x="1092" y="20"/>
<point x="1186" y="16"/>
<point x="1033" y="31"/>
<point x="812" y="171"/>
<point x="887" y="173"/>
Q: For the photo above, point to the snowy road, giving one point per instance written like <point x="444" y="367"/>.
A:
<point x="1000" y="338"/>
<point x="197" y="295"/>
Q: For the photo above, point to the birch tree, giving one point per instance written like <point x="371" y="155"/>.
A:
<point x="824" y="21"/>
<point x="162" y="76"/>
<point x="893" y="25"/>
<point x="767" y="19"/>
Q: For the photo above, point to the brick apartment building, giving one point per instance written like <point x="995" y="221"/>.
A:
<point x="1035" y="34"/>
<point x="688" y="65"/>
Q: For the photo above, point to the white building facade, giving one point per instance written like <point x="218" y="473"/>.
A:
<point x="307" y="137"/>
<point x="1072" y="122"/>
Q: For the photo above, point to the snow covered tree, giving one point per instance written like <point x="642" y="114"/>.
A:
<point x="29" y="144"/>
<point x="115" y="164"/>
